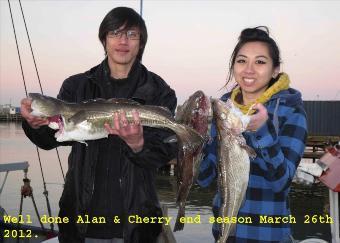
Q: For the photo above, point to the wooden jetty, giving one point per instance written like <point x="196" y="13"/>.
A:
<point x="316" y="145"/>
<point x="10" y="117"/>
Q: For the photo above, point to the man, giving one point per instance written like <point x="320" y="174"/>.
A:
<point x="112" y="177"/>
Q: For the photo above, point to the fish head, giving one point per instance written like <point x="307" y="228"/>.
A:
<point x="229" y="117"/>
<point x="190" y="106"/>
<point x="83" y="125"/>
<point x="67" y="129"/>
<point x="44" y="106"/>
<point x="195" y="112"/>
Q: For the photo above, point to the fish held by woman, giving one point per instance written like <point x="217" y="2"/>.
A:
<point x="233" y="161"/>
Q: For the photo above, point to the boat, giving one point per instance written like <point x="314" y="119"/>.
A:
<point x="12" y="231"/>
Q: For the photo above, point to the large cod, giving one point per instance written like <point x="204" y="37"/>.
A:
<point x="85" y="121"/>
<point x="233" y="161"/>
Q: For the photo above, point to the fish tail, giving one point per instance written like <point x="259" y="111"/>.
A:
<point x="181" y="213"/>
<point x="188" y="137"/>
<point x="190" y="144"/>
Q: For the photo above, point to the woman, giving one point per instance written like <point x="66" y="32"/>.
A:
<point x="276" y="131"/>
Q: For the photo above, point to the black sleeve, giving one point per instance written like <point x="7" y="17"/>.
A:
<point x="43" y="137"/>
<point x="155" y="152"/>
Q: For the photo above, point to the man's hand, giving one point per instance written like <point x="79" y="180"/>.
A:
<point x="258" y="119"/>
<point x="131" y="133"/>
<point x="34" y="121"/>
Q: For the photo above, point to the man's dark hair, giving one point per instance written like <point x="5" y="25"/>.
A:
<point x="127" y="17"/>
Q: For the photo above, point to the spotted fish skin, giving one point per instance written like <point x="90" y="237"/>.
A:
<point x="233" y="163"/>
<point x="85" y="121"/>
<point x="195" y="113"/>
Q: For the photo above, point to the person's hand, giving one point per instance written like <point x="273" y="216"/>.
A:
<point x="259" y="118"/>
<point x="131" y="133"/>
<point x="34" y="121"/>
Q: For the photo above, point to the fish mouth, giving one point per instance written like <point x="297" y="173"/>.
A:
<point x="56" y="123"/>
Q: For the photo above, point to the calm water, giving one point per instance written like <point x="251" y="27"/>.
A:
<point x="14" y="147"/>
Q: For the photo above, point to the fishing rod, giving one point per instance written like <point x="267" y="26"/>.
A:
<point x="141" y="8"/>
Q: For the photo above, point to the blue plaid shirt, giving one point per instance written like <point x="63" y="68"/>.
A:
<point x="279" y="145"/>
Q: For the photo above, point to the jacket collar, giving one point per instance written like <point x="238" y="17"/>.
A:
<point x="102" y="70"/>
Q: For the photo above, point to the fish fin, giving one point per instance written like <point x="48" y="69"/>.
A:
<point x="189" y="138"/>
<point x="164" y="111"/>
<point x="170" y="139"/>
<point x="181" y="213"/>
<point x="97" y="100"/>
<point x="251" y="152"/>
<point x="112" y="100"/>
<point x="132" y="101"/>
<point x="241" y="141"/>
<point x="77" y="117"/>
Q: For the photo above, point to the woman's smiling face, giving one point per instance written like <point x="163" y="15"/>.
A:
<point x="253" y="68"/>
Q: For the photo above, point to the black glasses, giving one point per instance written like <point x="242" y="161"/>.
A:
<point x="130" y="34"/>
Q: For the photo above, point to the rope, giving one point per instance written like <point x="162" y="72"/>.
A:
<point x="16" y="42"/>
<point x="36" y="69"/>
<point x="61" y="167"/>
<point x="23" y="77"/>
<point x="29" y="41"/>
<point x="45" y="191"/>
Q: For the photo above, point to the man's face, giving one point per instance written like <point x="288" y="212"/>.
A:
<point x="122" y="45"/>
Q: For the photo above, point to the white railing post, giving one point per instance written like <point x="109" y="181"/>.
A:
<point x="334" y="213"/>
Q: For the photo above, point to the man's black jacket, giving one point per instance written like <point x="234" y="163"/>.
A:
<point x="105" y="178"/>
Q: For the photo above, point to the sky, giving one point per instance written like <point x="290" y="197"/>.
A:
<point x="189" y="44"/>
